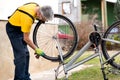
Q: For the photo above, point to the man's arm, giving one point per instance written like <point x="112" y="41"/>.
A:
<point x="38" y="51"/>
<point x="29" y="41"/>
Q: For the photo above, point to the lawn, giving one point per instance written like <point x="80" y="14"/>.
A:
<point x="93" y="72"/>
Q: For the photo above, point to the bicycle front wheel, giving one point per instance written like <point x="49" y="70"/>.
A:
<point x="111" y="44"/>
<point x="59" y="33"/>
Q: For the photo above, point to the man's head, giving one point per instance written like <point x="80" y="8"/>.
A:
<point x="45" y="13"/>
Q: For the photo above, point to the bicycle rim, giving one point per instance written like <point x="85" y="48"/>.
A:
<point x="60" y="31"/>
<point x="111" y="48"/>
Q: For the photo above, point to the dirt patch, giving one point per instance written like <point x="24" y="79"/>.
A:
<point x="6" y="58"/>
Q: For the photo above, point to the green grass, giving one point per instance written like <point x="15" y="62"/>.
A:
<point x="91" y="73"/>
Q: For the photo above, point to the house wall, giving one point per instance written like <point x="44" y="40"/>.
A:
<point x="94" y="7"/>
<point x="6" y="57"/>
<point x="90" y="8"/>
<point x="110" y="13"/>
<point x="7" y="7"/>
<point x="75" y="10"/>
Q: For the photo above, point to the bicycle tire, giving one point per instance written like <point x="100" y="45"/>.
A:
<point x="56" y="22"/>
<point x="110" y="48"/>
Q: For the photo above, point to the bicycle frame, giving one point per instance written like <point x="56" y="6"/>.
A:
<point x="93" y="38"/>
<point x="71" y="64"/>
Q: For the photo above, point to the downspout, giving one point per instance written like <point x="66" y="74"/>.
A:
<point x="104" y="14"/>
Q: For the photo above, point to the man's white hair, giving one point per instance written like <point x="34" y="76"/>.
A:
<point x="47" y="12"/>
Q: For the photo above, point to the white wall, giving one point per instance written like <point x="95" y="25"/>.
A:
<point x="6" y="58"/>
<point x="75" y="10"/>
<point x="7" y="7"/>
<point x="113" y="1"/>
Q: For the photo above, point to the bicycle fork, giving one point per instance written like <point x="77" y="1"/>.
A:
<point x="61" y="63"/>
<point x="95" y="38"/>
<point x="101" y="63"/>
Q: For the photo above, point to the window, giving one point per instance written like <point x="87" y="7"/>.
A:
<point x="66" y="9"/>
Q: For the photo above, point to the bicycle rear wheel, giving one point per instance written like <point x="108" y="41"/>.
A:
<point x="60" y="31"/>
<point x="111" y="44"/>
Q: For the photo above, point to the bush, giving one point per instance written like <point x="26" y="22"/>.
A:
<point x="117" y="10"/>
<point x="85" y="28"/>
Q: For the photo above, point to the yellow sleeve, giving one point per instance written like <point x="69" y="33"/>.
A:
<point x="26" y="23"/>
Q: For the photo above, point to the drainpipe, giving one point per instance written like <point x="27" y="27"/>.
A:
<point x="104" y="14"/>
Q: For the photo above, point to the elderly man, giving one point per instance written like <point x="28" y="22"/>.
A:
<point x="18" y="30"/>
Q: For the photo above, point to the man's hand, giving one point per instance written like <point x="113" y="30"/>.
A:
<point x="39" y="52"/>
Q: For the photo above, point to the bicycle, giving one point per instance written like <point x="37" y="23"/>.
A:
<point x="61" y="40"/>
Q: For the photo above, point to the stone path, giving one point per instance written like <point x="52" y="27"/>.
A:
<point x="50" y="74"/>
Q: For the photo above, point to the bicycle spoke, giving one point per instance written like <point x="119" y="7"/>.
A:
<point x="60" y="28"/>
<point x="111" y="44"/>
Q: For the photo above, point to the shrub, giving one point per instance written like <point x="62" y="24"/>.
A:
<point x="85" y="28"/>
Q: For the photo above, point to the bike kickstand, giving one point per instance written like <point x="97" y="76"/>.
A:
<point x="66" y="76"/>
<point x="104" y="74"/>
<point x="102" y="65"/>
<point x="57" y="71"/>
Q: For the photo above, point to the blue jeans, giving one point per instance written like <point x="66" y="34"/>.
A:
<point x="21" y="53"/>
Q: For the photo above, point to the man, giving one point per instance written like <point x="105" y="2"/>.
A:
<point x="18" y="30"/>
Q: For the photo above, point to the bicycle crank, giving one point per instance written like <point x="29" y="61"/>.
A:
<point x="95" y="38"/>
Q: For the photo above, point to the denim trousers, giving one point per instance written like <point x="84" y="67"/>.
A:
<point x="20" y="50"/>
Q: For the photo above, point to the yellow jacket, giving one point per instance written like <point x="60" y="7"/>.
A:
<point x="23" y="20"/>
